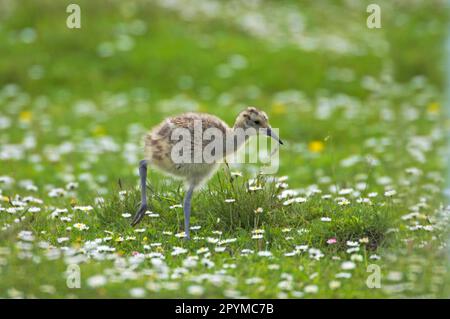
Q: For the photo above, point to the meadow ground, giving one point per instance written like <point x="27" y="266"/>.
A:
<point x="360" y="183"/>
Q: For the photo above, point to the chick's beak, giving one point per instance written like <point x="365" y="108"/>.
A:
<point x="273" y="135"/>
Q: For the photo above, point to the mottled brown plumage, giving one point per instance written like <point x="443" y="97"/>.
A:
<point x="159" y="144"/>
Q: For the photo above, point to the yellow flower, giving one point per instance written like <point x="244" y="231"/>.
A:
<point x="4" y="198"/>
<point x="99" y="131"/>
<point x="316" y="146"/>
<point x="433" y="107"/>
<point x="278" y="108"/>
<point x="364" y="240"/>
<point x="159" y="249"/>
<point x="25" y="116"/>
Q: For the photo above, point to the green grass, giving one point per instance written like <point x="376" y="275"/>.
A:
<point x="368" y="117"/>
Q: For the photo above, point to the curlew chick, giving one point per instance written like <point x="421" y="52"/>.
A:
<point x="192" y="145"/>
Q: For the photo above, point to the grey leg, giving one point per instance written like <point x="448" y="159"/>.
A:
<point x="143" y="208"/>
<point x="187" y="210"/>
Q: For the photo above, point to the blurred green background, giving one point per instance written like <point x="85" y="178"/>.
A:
<point x="356" y="106"/>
